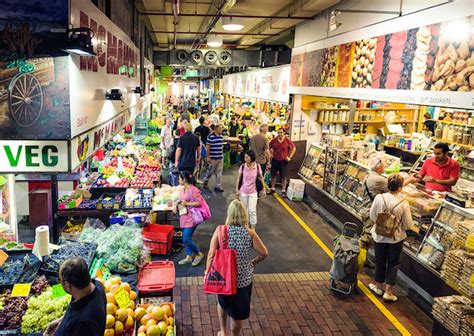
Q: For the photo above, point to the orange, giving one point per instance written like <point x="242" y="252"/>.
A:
<point x="157" y="313"/>
<point x="145" y="319"/>
<point x="150" y="322"/>
<point x="139" y="313"/>
<point x="125" y="286"/>
<point x="168" y="310"/>
<point x="107" y="286"/>
<point x="129" y="323"/>
<point x="153" y="331"/>
<point x="111" y="298"/>
<point x="121" y="315"/>
<point x="111" y="308"/>
<point x="148" y="310"/>
<point x="114" y="280"/>
<point x="163" y="326"/>
<point x="131" y="304"/>
<point x="110" y="321"/>
<point x="130" y="312"/>
<point x="118" y="327"/>
<point x="142" y="329"/>
<point x="109" y="332"/>
<point x="114" y="288"/>
<point x="133" y="295"/>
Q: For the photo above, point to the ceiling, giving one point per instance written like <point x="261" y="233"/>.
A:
<point x="174" y="25"/>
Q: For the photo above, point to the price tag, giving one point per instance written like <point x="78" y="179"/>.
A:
<point x="470" y="242"/>
<point x="415" y="229"/>
<point x="58" y="291"/>
<point x="21" y="290"/>
<point x="3" y="257"/>
<point x="122" y="298"/>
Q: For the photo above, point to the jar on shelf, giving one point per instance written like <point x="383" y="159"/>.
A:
<point x="439" y="131"/>
<point x="451" y="134"/>
<point x="466" y="138"/>
<point x="459" y="134"/>
<point x="445" y="132"/>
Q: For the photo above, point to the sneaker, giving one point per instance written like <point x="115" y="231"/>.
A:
<point x="283" y="193"/>
<point x="185" y="261"/>
<point x="272" y="190"/>
<point x="197" y="259"/>
<point x="389" y="298"/>
<point x="376" y="290"/>
<point x="218" y="189"/>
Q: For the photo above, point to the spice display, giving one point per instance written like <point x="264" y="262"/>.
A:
<point x="312" y="68"/>
<point x="363" y="63"/>
<point x="344" y="67"/>
<point x="455" y="313"/>
<point x="328" y="76"/>
<point x="454" y="65"/>
<point x="407" y="60"/>
<point x="423" y="42"/>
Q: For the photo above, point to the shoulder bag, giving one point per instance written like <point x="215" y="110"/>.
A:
<point x="221" y="277"/>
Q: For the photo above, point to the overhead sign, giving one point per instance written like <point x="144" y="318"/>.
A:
<point x="33" y="156"/>
<point x="269" y="84"/>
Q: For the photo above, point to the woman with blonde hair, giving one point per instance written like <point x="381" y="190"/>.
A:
<point x="243" y="240"/>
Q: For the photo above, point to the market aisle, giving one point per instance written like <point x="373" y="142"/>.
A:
<point x="291" y="293"/>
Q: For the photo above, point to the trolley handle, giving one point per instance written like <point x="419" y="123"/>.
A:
<point x="350" y="227"/>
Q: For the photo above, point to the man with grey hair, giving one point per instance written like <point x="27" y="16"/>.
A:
<point x="215" y="157"/>
<point x="166" y="140"/>
<point x="261" y="146"/>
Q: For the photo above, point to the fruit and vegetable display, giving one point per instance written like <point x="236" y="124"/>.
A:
<point x="70" y="201"/>
<point x="110" y="201"/>
<point x="152" y="140"/>
<point x="144" y="178"/>
<point x="88" y="204"/>
<point x="9" y="245"/>
<point x="135" y="198"/>
<point x="121" y="247"/>
<point x="363" y="63"/>
<point x="42" y="310"/>
<point x="155" y="319"/>
<point x="166" y="195"/>
<point x="68" y="249"/>
<point x="22" y="269"/>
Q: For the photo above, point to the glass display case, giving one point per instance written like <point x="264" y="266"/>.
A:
<point x="312" y="169"/>
<point x="334" y="168"/>
<point x="351" y="190"/>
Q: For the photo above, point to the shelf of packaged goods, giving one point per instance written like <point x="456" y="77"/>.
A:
<point x="444" y="226"/>
<point x="360" y="199"/>
<point x="454" y="123"/>
<point x="333" y="122"/>
<point x="308" y="109"/>
<point x="453" y="143"/>
<point x="307" y="180"/>
<point x="402" y="149"/>
<point x="383" y="121"/>
<point x="386" y="109"/>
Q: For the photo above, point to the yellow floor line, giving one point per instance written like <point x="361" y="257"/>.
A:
<point x="397" y="324"/>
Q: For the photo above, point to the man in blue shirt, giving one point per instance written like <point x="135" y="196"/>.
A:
<point x="215" y="157"/>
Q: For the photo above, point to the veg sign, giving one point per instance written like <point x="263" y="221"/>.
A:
<point x="33" y="156"/>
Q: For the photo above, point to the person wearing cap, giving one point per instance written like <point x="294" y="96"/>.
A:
<point x="440" y="172"/>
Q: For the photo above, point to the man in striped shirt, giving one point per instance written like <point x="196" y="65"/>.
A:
<point x="215" y="157"/>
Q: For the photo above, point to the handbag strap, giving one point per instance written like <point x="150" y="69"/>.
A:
<point x="396" y="205"/>
<point x="223" y="237"/>
<point x="368" y="192"/>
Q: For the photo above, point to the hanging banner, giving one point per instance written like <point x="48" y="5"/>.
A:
<point x="268" y="84"/>
<point x="431" y="64"/>
<point x="33" y="156"/>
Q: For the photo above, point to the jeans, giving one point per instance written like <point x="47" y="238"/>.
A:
<point x="215" y="168"/>
<point x="250" y="202"/>
<point x="387" y="262"/>
<point x="188" y="242"/>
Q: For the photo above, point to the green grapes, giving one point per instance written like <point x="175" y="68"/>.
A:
<point x="42" y="310"/>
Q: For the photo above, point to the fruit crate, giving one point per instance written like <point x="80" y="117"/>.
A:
<point x="158" y="238"/>
<point x="146" y="302"/>
<point x="156" y="279"/>
<point x="110" y="201"/>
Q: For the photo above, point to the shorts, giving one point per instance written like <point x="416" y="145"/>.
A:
<point x="237" y="306"/>
<point x="279" y="167"/>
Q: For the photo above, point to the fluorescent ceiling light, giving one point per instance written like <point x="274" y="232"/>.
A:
<point x="79" y="52"/>
<point x="232" y="23"/>
<point x="214" y="41"/>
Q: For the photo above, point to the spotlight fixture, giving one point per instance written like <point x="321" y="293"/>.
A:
<point x="214" y="41"/>
<point x="232" y="23"/>
<point x="137" y="90"/>
<point x="152" y="89"/>
<point x="80" y="42"/>
<point x="333" y="23"/>
<point x="114" y="94"/>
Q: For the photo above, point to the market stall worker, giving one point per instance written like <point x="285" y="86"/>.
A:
<point x="188" y="151"/>
<point x="233" y="127"/>
<point x="87" y="311"/>
<point x="440" y="172"/>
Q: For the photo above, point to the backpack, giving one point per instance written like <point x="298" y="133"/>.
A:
<point x="386" y="222"/>
<point x="258" y="183"/>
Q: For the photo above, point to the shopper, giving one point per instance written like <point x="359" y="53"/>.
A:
<point x="203" y="130"/>
<point x="260" y="145"/>
<point x="188" y="151"/>
<point x="246" y="187"/>
<point x="243" y="240"/>
<point x="282" y="150"/>
<point x="215" y="157"/>
<point x="166" y="141"/>
<point x="190" y="197"/>
<point x="440" y="172"/>
<point x="233" y="127"/>
<point x="86" y="313"/>
<point x="388" y="250"/>
<point x="185" y="116"/>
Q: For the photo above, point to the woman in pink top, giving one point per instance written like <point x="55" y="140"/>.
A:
<point x="246" y="187"/>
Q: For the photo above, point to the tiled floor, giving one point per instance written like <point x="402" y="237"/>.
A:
<point x="288" y="304"/>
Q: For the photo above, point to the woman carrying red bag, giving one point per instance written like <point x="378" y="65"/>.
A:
<point x="243" y="240"/>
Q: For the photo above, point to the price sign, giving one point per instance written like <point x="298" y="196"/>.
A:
<point x="470" y="242"/>
<point x="3" y="257"/>
<point x="58" y="291"/>
<point x="21" y="290"/>
<point x="122" y="298"/>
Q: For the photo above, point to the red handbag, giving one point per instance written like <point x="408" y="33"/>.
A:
<point x="221" y="277"/>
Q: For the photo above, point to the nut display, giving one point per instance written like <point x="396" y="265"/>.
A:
<point x="454" y="65"/>
<point x="344" y="68"/>
<point x="328" y="75"/>
<point x="363" y="63"/>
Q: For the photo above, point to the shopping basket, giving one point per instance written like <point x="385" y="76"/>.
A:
<point x="344" y="266"/>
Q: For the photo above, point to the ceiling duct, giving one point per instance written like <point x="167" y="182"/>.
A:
<point x="196" y="57"/>
<point x="182" y="56"/>
<point x="211" y="57"/>
<point x="225" y="57"/>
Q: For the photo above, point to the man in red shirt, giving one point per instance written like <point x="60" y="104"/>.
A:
<point x="440" y="172"/>
<point x="282" y="150"/>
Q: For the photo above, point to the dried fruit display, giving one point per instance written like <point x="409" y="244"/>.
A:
<point x="423" y="42"/>
<point x="344" y="65"/>
<point x="312" y="68"/>
<point x="382" y="59"/>
<point x="363" y="63"/>
<point x="407" y="60"/>
<point x="296" y="70"/>
<point x="328" y="75"/>
<point x="454" y="64"/>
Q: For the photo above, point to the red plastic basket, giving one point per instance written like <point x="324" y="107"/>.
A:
<point x="156" y="277"/>
<point x="158" y="238"/>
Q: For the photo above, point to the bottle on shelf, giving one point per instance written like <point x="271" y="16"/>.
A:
<point x="459" y="134"/>
<point x="439" y="131"/>
<point x="445" y="132"/>
<point x="451" y="134"/>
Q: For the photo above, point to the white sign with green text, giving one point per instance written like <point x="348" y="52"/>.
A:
<point x="33" y="156"/>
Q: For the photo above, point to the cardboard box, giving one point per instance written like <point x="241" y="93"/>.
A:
<point x="294" y="196"/>
<point x="296" y="185"/>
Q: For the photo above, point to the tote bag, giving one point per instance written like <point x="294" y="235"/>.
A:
<point x="221" y="277"/>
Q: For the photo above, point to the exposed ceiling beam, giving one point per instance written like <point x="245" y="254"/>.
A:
<point x="212" y="33"/>
<point x="232" y="16"/>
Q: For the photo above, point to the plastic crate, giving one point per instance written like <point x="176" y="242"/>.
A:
<point x="156" y="277"/>
<point x="158" y="238"/>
